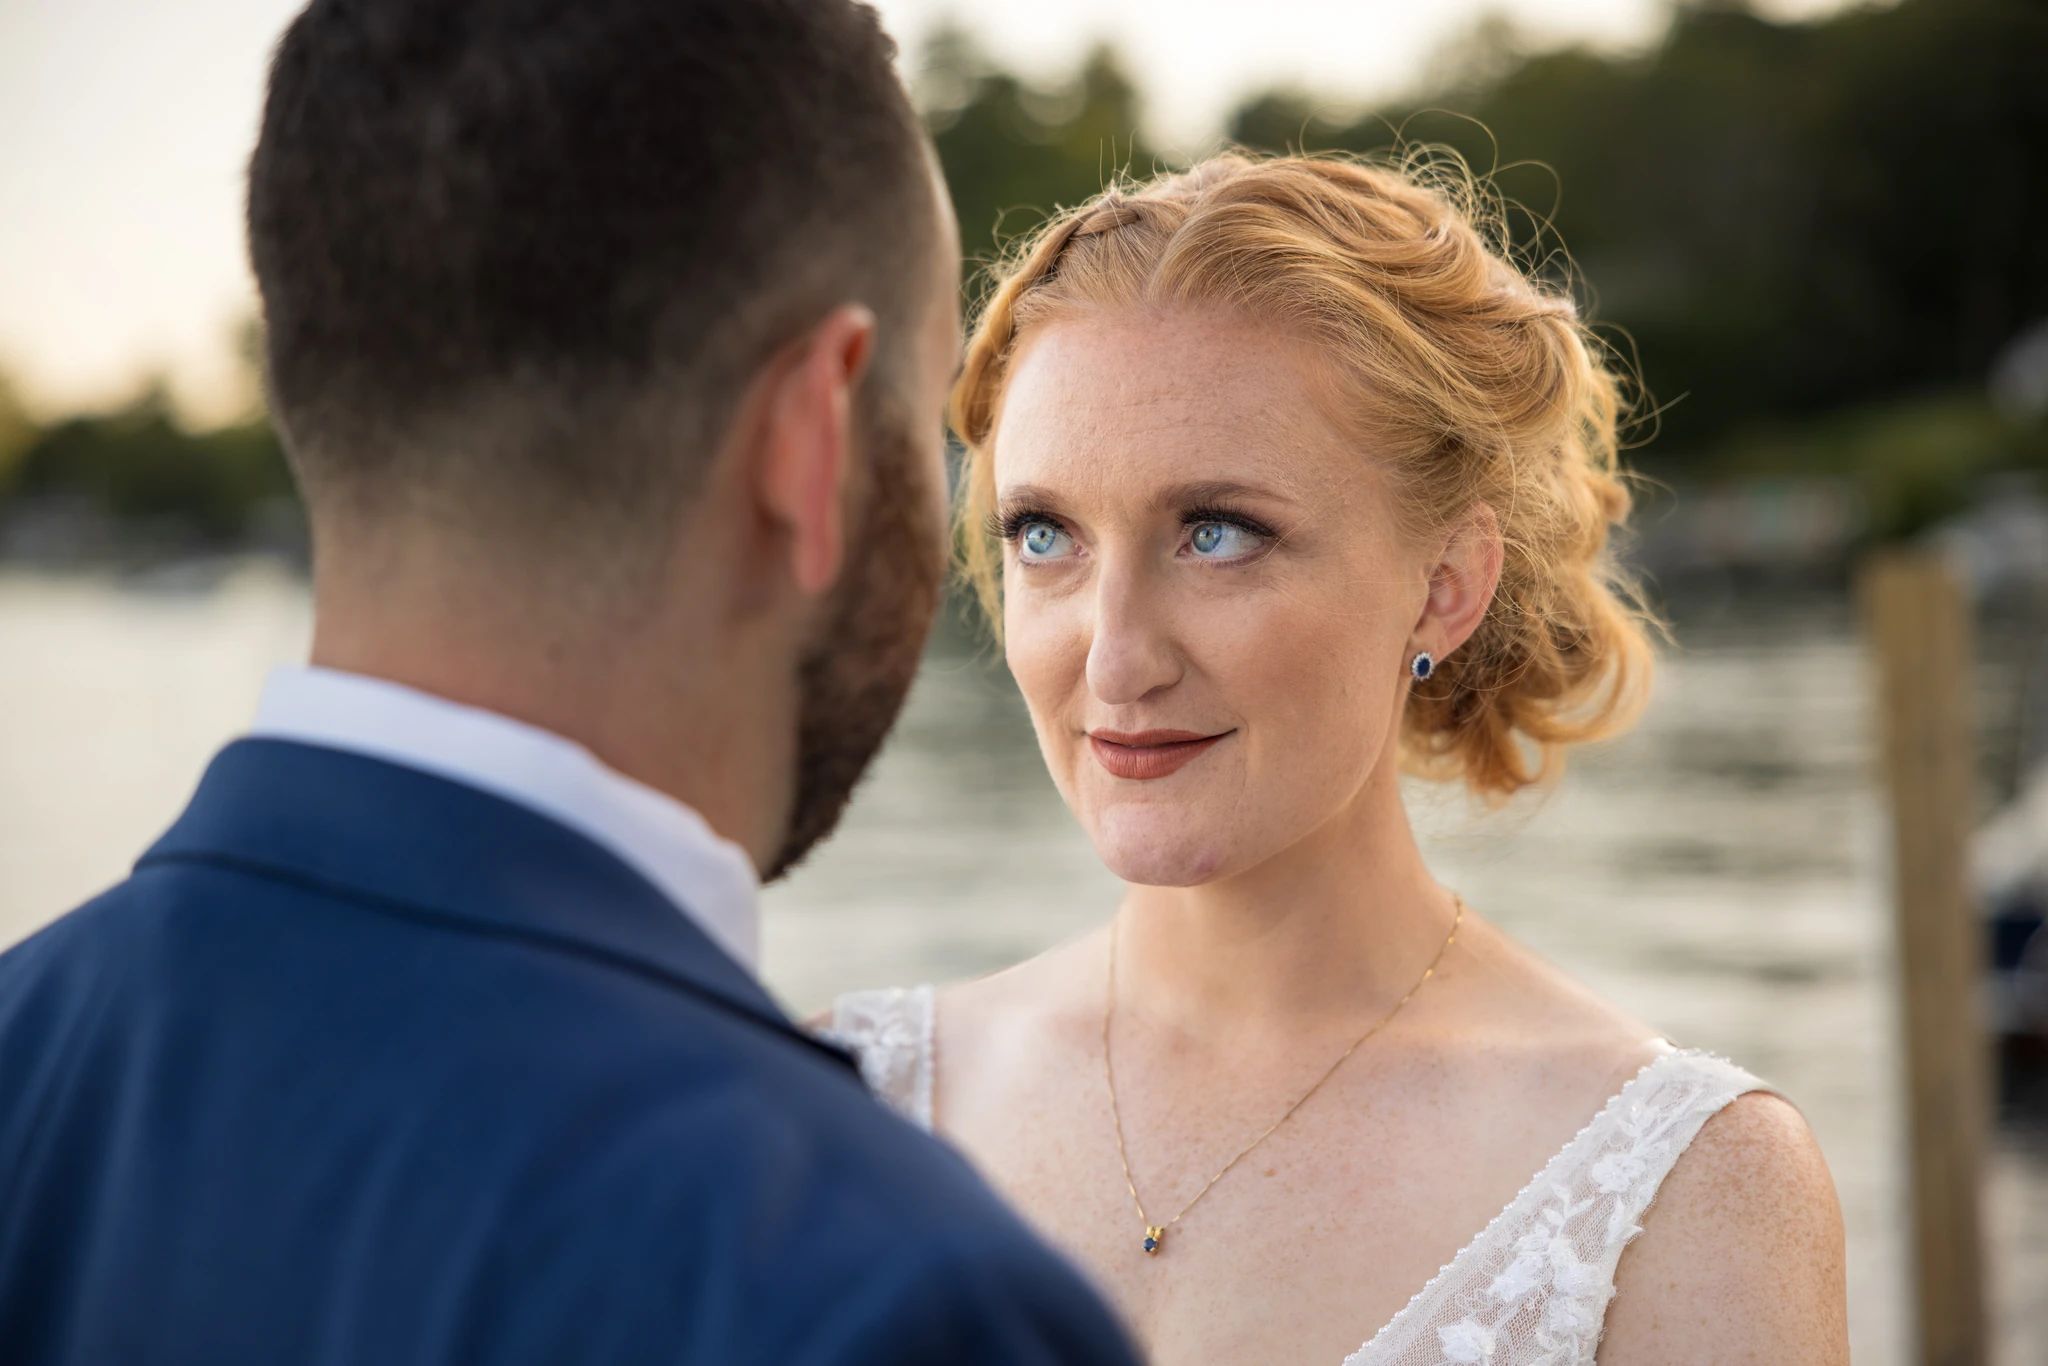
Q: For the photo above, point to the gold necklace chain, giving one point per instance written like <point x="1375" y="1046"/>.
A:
<point x="1155" y="1234"/>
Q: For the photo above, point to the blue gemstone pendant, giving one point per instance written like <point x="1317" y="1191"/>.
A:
<point x="1153" y="1238"/>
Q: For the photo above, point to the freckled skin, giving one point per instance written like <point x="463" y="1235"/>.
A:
<point x="1131" y="630"/>
<point x="1276" y="904"/>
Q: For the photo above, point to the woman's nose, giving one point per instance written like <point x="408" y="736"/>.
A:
<point x="1131" y="653"/>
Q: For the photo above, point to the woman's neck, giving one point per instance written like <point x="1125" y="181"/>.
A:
<point x="1336" y="926"/>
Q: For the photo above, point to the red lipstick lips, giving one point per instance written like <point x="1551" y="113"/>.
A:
<point x="1148" y="754"/>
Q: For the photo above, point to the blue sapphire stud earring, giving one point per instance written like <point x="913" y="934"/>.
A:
<point x="1422" y="665"/>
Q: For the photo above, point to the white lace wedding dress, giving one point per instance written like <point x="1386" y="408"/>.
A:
<point x="1531" y="1288"/>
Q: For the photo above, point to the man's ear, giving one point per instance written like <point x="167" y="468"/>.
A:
<point x="800" y="470"/>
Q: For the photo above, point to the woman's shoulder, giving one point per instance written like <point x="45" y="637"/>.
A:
<point x="1710" y="1118"/>
<point x="1009" y="1022"/>
<point x="874" y="1009"/>
<point x="1736" y="1227"/>
<point x="889" y="1032"/>
<point x="1027" y="992"/>
<point x="989" y="1025"/>
<point x="1745" y="1234"/>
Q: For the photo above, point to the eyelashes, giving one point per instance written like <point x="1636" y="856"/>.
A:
<point x="1229" y="516"/>
<point x="1008" y="526"/>
<point x="1198" y="523"/>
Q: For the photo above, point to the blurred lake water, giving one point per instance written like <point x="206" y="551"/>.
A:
<point x="1722" y="871"/>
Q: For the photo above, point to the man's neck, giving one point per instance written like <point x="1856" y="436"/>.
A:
<point x="701" y="733"/>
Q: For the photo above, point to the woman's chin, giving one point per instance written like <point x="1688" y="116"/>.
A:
<point x="1155" y="850"/>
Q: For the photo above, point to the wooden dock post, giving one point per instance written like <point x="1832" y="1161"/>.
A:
<point x="1918" y="626"/>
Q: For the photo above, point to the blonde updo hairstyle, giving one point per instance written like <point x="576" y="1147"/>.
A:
<point x="1465" y="378"/>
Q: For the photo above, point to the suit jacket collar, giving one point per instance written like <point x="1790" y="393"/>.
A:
<point x="663" y="839"/>
<point x="407" y="842"/>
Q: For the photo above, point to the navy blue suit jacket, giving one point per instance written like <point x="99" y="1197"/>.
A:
<point x="366" y="1066"/>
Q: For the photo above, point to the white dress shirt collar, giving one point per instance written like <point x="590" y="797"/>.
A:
<point x="665" y="841"/>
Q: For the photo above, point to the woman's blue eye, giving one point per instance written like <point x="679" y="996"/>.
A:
<point x="1040" y="540"/>
<point x="1219" y="540"/>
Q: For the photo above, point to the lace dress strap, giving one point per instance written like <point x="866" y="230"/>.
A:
<point x="890" y="1031"/>
<point x="1532" y="1289"/>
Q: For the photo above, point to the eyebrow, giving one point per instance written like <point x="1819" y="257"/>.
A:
<point x="1196" y="494"/>
<point x="1216" y="491"/>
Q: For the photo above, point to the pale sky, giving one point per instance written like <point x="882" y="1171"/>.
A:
<point x="125" y="125"/>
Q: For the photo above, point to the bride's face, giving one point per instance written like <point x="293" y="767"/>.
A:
<point x="1206" y="602"/>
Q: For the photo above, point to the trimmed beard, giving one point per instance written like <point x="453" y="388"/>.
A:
<point x="854" y="677"/>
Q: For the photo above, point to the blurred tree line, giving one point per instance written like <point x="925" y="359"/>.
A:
<point x="141" y="464"/>
<point x="1814" y="238"/>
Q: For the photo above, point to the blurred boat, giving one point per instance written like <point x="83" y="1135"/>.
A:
<point x="2010" y="870"/>
<point x="1999" y="550"/>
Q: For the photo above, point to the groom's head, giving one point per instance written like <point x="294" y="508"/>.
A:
<point x="615" y="320"/>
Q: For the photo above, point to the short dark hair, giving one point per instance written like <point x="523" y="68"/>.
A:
<point x="522" y="254"/>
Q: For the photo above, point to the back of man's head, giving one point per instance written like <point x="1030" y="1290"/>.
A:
<point x="517" y="257"/>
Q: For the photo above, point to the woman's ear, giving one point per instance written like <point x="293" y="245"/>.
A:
<point x="1461" y="582"/>
<point x="799" y="473"/>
